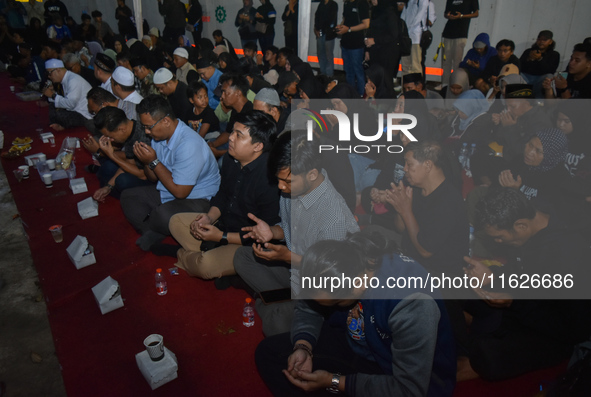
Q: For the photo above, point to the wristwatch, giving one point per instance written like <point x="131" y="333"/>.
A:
<point x="336" y="380"/>
<point x="153" y="164"/>
<point x="350" y="30"/>
<point x="224" y="240"/>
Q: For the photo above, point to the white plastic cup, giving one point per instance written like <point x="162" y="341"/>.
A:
<point x="56" y="232"/>
<point x="42" y="157"/>
<point x="12" y="89"/>
<point x="47" y="180"/>
<point x="25" y="169"/>
<point x="155" y="347"/>
<point x="52" y="141"/>
<point x="51" y="164"/>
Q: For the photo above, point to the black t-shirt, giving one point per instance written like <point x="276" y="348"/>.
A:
<point x="179" y="102"/>
<point x="353" y="13"/>
<point x="443" y="229"/>
<point x="579" y="89"/>
<point x="547" y="64"/>
<point x="495" y="65"/>
<point x="246" y="109"/>
<point x="207" y="116"/>
<point x="137" y="135"/>
<point x="458" y="28"/>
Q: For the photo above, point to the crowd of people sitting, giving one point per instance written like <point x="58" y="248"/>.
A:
<point x="214" y="150"/>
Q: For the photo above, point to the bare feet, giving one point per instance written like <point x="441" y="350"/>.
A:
<point x="56" y="127"/>
<point x="465" y="371"/>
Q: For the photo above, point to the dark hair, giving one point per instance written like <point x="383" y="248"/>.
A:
<point x="506" y="43"/>
<point x="217" y="32"/>
<point x="427" y="150"/>
<point x="85" y="16"/>
<point x="273" y="49"/>
<point x="109" y="118"/>
<point x="96" y="13"/>
<point x="53" y="46"/>
<point x="582" y="47"/>
<point x="501" y="208"/>
<point x="293" y="150"/>
<point x="416" y="78"/>
<point x="124" y="56"/>
<point x="286" y="51"/>
<point x="236" y="81"/>
<point x="358" y="253"/>
<point x="156" y="106"/>
<point x="194" y="87"/>
<point x="139" y="61"/>
<point x="251" y="45"/>
<point x="261" y="127"/>
<point x="99" y="96"/>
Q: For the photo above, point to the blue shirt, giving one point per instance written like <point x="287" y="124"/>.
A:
<point x="211" y="85"/>
<point x="191" y="162"/>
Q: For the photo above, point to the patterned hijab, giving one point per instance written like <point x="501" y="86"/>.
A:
<point x="555" y="147"/>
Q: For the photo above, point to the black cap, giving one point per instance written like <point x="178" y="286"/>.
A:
<point x="104" y="62"/>
<point x="519" y="91"/>
<point x="546" y="35"/>
<point x="202" y="63"/>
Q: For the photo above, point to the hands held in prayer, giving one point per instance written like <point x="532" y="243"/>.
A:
<point x="370" y="89"/>
<point x="261" y="232"/>
<point x="317" y="380"/>
<point x="48" y="92"/>
<point x="272" y="252"/>
<point x="534" y="55"/>
<point x="299" y="364"/>
<point x="106" y="147"/>
<point x="378" y="196"/>
<point x="202" y="229"/>
<point x="506" y="118"/>
<point x="506" y="179"/>
<point x="479" y="270"/>
<point x="144" y="153"/>
<point x="90" y="144"/>
<point x="400" y="197"/>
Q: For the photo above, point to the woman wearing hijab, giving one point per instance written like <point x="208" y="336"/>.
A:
<point x="458" y="83"/>
<point x="470" y="126"/>
<point x="541" y="174"/>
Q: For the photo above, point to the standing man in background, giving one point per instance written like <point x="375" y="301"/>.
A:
<point x="455" y="34"/>
<point x="175" y="15"/>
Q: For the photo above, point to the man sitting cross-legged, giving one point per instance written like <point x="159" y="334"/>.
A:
<point x="182" y="164"/>
<point x="122" y="169"/>
<point x="245" y="189"/>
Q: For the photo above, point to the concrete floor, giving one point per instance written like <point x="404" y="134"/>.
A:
<point x="28" y="364"/>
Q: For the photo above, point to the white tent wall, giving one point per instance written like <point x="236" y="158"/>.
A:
<point x="518" y="20"/>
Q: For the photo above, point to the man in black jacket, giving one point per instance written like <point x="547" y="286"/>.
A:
<point x="174" y="14"/>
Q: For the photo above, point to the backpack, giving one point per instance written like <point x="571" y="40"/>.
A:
<point x="404" y="41"/>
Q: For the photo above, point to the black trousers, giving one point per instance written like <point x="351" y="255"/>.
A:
<point x="332" y="354"/>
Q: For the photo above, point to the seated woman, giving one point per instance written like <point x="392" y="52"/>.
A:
<point x="541" y="175"/>
<point x="471" y="124"/>
<point x="377" y="342"/>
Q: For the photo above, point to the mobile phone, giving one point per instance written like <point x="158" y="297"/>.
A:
<point x="275" y="295"/>
<point x="563" y="74"/>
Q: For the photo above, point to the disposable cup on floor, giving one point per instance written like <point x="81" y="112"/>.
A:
<point x="42" y="157"/>
<point x="25" y="170"/>
<point x="51" y="164"/>
<point x="18" y="174"/>
<point x="52" y="141"/>
<point x="155" y="347"/>
<point x="56" y="232"/>
<point x="47" y="180"/>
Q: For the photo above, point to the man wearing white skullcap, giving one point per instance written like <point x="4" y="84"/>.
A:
<point x="123" y="85"/>
<point x="185" y="72"/>
<point x="175" y="91"/>
<point x="68" y="110"/>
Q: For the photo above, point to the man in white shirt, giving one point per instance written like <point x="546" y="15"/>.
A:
<point x="414" y="14"/>
<point x="103" y="69"/>
<point x="123" y="85"/>
<point x="69" y="110"/>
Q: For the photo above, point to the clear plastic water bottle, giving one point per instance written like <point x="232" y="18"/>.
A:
<point x="463" y="157"/>
<point x="161" y="286"/>
<point x="472" y="238"/>
<point x="248" y="313"/>
<point x="472" y="149"/>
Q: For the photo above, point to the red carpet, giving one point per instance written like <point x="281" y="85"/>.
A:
<point x="201" y="325"/>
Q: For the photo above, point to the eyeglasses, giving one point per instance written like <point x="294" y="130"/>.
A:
<point x="93" y="113"/>
<point x="49" y="72"/>
<point x="150" y="127"/>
